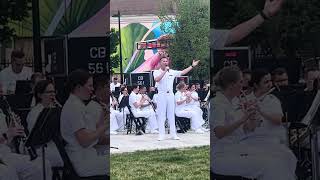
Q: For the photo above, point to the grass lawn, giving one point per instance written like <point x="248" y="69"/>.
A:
<point x="189" y="163"/>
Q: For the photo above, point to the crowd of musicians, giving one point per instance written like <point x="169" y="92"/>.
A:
<point x="190" y="101"/>
<point x="82" y="124"/>
<point x="250" y="118"/>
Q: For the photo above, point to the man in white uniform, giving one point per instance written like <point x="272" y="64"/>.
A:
<point x="15" y="71"/>
<point x="165" y="104"/>
<point x="76" y="127"/>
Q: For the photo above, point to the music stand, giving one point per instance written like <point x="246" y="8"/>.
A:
<point x="23" y="87"/>
<point x="45" y="129"/>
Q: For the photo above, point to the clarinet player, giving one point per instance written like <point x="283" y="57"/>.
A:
<point x="24" y="168"/>
<point x="44" y="93"/>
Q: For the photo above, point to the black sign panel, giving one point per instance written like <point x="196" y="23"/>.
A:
<point x="54" y="50"/>
<point x="143" y="79"/>
<point x="231" y="56"/>
<point x="90" y="53"/>
<point x="185" y="79"/>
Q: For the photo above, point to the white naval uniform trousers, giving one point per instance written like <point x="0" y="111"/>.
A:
<point x="165" y="101"/>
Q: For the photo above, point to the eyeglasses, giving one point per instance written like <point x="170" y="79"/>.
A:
<point x="49" y="92"/>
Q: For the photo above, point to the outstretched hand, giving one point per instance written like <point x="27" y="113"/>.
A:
<point x="195" y="62"/>
<point x="271" y="8"/>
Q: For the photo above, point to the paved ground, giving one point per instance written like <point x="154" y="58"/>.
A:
<point x="131" y="142"/>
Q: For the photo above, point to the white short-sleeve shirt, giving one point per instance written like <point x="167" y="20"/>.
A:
<point x="223" y="112"/>
<point x="218" y="38"/>
<point x="166" y="83"/>
<point x="8" y="78"/>
<point x="113" y="86"/>
<point x="179" y="97"/>
<point x="266" y="130"/>
<point x="133" y="97"/>
<point x="33" y="115"/>
<point x="75" y="116"/>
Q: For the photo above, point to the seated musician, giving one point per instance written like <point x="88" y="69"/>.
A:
<point x="124" y="100"/>
<point x="10" y="129"/>
<point x="98" y="106"/>
<point x="138" y="103"/>
<point x="76" y="127"/>
<point x="149" y="106"/>
<point x="44" y="93"/>
<point x="182" y="109"/>
<point x="116" y="117"/>
<point x="229" y="154"/>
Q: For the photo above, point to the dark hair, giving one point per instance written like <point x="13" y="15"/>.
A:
<point x="76" y="78"/>
<point x="278" y="71"/>
<point x="17" y="54"/>
<point x="36" y="75"/>
<point x="227" y="76"/>
<point x="257" y="75"/>
<point x="246" y="71"/>
<point x="123" y="88"/>
<point x="40" y="88"/>
<point x="134" y="87"/>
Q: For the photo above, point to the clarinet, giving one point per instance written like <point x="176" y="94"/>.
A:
<point x="13" y="121"/>
<point x="150" y="103"/>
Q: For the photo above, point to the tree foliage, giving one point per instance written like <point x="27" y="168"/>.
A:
<point x="191" y="38"/>
<point x="114" y="45"/>
<point x="12" y="10"/>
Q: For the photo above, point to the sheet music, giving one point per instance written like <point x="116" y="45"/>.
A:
<point x="312" y="110"/>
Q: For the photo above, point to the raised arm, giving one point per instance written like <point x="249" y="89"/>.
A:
<point x="188" y="69"/>
<point x="244" y="29"/>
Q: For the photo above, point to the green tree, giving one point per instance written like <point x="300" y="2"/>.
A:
<point x="114" y="46"/>
<point x="191" y="37"/>
<point x="12" y="10"/>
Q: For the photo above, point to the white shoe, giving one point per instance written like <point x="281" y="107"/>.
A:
<point x="154" y="132"/>
<point x="160" y="138"/>
<point x="205" y="130"/>
<point x="113" y="132"/>
<point x="175" y="138"/>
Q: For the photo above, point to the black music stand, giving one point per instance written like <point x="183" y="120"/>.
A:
<point x="44" y="130"/>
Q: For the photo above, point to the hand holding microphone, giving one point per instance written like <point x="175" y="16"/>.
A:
<point x="167" y="68"/>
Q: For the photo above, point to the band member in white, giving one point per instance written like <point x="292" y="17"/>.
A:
<point x="76" y="130"/>
<point x="137" y="103"/>
<point x="116" y="117"/>
<point x="98" y="107"/>
<point x="182" y="99"/>
<point x="165" y="102"/>
<point x="44" y="93"/>
<point x="228" y="152"/>
<point x="149" y="106"/>
<point x="20" y="163"/>
<point x="7" y="173"/>
<point x="14" y="72"/>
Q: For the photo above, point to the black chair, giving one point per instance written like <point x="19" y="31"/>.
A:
<point x="69" y="172"/>
<point x="140" y="122"/>
<point x="183" y="123"/>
